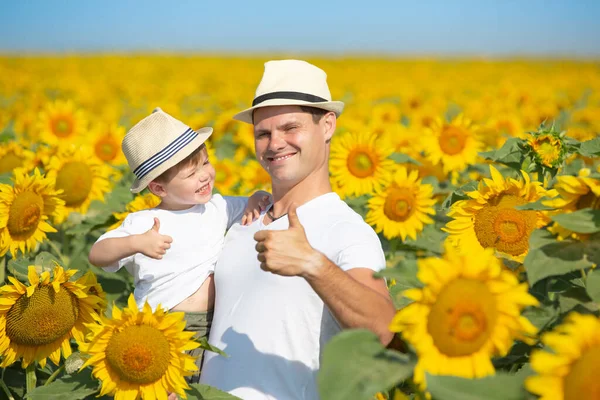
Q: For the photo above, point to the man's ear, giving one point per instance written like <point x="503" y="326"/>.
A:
<point x="329" y="122"/>
<point x="157" y="189"/>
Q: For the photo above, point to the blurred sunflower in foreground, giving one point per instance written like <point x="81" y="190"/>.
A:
<point x="13" y="155"/>
<point x="490" y="219"/>
<point x="25" y="210"/>
<point x="140" y="202"/>
<point x="468" y="311"/>
<point x="140" y="353"/>
<point x="39" y="320"/>
<point x="570" y="371"/>
<point x="403" y="208"/>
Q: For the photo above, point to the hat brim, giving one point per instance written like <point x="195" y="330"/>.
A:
<point x="246" y="116"/>
<point x="140" y="184"/>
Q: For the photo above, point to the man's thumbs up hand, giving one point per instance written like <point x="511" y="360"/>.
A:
<point x="152" y="244"/>
<point x="287" y="252"/>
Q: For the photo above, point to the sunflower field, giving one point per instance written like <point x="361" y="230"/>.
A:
<point x="482" y="179"/>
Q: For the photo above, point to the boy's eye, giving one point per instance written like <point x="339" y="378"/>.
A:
<point x="207" y="162"/>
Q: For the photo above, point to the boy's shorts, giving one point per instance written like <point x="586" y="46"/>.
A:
<point x="198" y="322"/>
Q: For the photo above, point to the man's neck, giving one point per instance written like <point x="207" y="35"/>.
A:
<point x="311" y="187"/>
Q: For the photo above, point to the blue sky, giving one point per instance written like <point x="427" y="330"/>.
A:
<point x="425" y="27"/>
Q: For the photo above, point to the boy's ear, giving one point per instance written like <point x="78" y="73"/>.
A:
<point x="157" y="189"/>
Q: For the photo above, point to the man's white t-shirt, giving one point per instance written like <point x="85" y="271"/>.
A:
<point x="273" y="328"/>
<point x="198" y="235"/>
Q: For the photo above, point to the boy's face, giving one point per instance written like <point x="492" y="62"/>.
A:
<point x="191" y="185"/>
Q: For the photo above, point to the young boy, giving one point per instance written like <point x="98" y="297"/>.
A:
<point x="171" y="250"/>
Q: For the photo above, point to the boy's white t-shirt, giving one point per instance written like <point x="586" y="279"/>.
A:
<point x="198" y="235"/>
<point x="273" y="328"/>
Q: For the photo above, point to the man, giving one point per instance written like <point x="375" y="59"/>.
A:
<point x="302" y="272"/>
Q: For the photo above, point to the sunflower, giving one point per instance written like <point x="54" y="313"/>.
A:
<point x="81" y="176"/>
<point x="24" y="211"/>
<point x="255" y="178"/>
<point x="38" y="321"/>
<point x="140" y="353"/>
<point x="402" y="208"/>
<point x="91" y="282"/>
<point x="468" y="311"/>
<point x="244" y="136"/>
<point x="140" y="202"/>
<point x="61" y="122"/>
<point x="489" y="218"/>
<point x="13" y="155"/>
<point x="359" y="164"/>
<point x="453" y="144"/>
<point x="548" y="149"/>
<point x="226" y="176"/>
<point x="385" y="113"/>
<point x="401" y="139"/>
<point x="569" y="372"/>
<point x="575" y="193"/>
<point x="106" y="141"/>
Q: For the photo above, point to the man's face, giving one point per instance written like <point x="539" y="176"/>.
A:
<point x="289" y="145"/>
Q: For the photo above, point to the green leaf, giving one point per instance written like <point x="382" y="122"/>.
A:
<point x="18" y="267"/>
<point x="591" y="148"/>
<point x="586" y="220"/>
<point x="46" y="261"/>
<point x="356" y="366"/>
<point x="549" y="257"/>
<point x="6" y="178"/>
<point x="592" y="285"/>
<point x="402" y="158"/>
<point x="540" y="316"/>
<point x="431" y="239"/>
<point x="510" y="154"/>
<point x="199" y="391"/>
<point x="207" y="346"/>
<point x="497" y="387"/>
<point x="73" y="387"/>
<point x="459" y="194"/>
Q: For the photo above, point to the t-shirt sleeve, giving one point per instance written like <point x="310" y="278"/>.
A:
<point x="131" y="225"/>
<point x="235" y="207"/>
<point x="359" y="246"/>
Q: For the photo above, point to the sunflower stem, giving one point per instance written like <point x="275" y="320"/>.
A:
<point x="583" y="275"/>
<point x="30" y="377"/>
<point x="54" y="375"/>
<point x="56" y="249"/>
<point x="5" y="388"/>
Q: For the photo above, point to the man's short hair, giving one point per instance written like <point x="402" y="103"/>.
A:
<point x="317" y="113"/>
<point x="192" y="160"/>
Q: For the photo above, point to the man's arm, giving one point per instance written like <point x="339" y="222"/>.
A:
<point x="108" y="252"/>
<point x="356" y="299"/>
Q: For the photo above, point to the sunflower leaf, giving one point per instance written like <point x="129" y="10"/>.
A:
<point x="549" y="257"/>
<point x="586" y="220"/>
<point x="402" y="158"/>
<point x="591" y="148"/>
<point x="18" y="268"/>
<point x="510" y="154"/>
<point x="207" y="346"/>
<point x="593" y="285"/>
<point x="356" y="366"/>
<point x="497" y="387"/>
<point x="204" y="392"/>
<point x="75" y="387"/>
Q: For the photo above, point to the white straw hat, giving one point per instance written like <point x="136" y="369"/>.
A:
<point x="292" y="82"/>
<point x="157" y="143"/>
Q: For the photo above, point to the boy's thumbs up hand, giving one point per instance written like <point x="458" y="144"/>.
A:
<point x="287" y="252"/>
<point x="152" y="244"/>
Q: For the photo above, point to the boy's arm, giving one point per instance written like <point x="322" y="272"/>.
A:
<point x="110" y="251"/>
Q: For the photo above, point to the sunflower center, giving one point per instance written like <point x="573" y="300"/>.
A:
<point x="43" y="318"/>
<point x="106" y="149"/>
<point x="360" y="164"/>
<point x="62" y="127"/>
<point x="24" y="215"/>
<point x="588" y="200"/>
<point x="10" y="161"/>
<point x="138" y="354"/>
<point x="452" y="140"/>
<point x="399" y="204"/>
<point x="582" y="382"/>
<point x="75" y="179"/>
<point x="463" y="317"/>
<point x="505" y="228"/>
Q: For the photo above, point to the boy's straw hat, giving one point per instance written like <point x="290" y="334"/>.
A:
<point x="292" y="82"/>
<point x="157" y="143"/>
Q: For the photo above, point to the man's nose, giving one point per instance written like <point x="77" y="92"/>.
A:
<point x="277" y="141"/>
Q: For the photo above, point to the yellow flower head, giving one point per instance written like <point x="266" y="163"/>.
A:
<point x="14" y="155"/>
<point x="489" y="218"/>
<point x="255" y="178"/>
<point x="453" y="144"/>
<point x="402" y="208"/>
<point x="61" y="122"/>
<point x="468" y="311"/>
<point x="106" y="141"/>
<point x="226" y="175"/>
<point x="359" y="163"/>
<point x="570" y="371"/>
<point x="548" y="149"/>
<point x="24" y="211"/>
<point x="140" y="353"/>
<point x="38" y="321"/>
<point x="81" y="176"/>
<point x="140" y="202"/>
